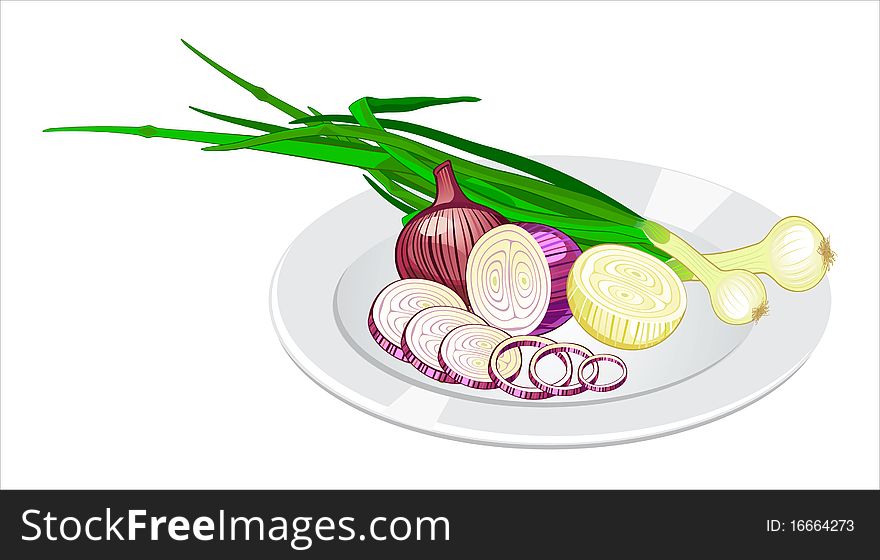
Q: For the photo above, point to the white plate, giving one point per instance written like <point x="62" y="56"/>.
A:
<point x="327" y="279"/>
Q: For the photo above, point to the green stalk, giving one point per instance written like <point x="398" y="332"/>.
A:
<point x="585" y="233"/>
<point x="257" y="91"/>
<point x="386" y="194"/>
<point x="315" y="148"/>
<point x="364" y="156"/>
<point x="524" y="188"/>
<point x="261" y="94"/>
<point x="593" y="230"/>
<point x="393" y="105"/>
<point x="411" y="200"/>
<point x="407" y="104"/>
<point x="475" y="185"/>
<point x="403" y="167"/>
<point x="256" y="125"/>
<point x="681" y="270"/>
<point x="362" y="110"/>
<point x="514" y="161"/>
<point x="737" y="296"/>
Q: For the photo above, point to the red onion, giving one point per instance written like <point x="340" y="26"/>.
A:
<point x="398" y="302"/>
<point x="436" y="242"/>
<point x="529" y="393"/>
<point x="564" y="386"/>
<point x="465" y="354"/>
<point x="516" y="277"/>
<point x="425" y="331"/>
<point x="590" y="383"/>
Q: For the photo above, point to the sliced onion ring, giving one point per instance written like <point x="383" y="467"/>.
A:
<point x="465" y="354"/>
<point x="564" y="387"/>
<point x="529" y="393"/>
<point x="398" y="302"/>
<point x="424" y="332"/>
<point x="605" y="387"/>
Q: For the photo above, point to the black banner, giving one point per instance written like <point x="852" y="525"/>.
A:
<point x="406" y="524"/>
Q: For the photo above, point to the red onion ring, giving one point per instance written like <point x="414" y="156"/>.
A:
<point x="397" y="303"/>
<point x="528" y="393"/>
<point x="424" y="333"/>
<point x="605" y="387"/>
<point x="465" y="352"/>
<point x="564" y="387"/>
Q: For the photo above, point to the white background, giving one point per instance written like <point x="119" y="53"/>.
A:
<point x="137" y="348"/>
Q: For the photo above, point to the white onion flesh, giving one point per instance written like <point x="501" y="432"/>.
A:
<point x="794" y="253"/>
<point x="738" y="296"/>
<point x="398" y="302"/>
<point x="508" y="280"/>
<point x="465" y="353"/>
<point x="424" y="333"/>
<point x="624" y="297"/>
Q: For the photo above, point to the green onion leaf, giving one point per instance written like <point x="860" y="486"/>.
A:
<point x="610" y="206"/>
<point x="256" y="125"/>
<point x="315" y="148"/>
<point x="257" y="91"/>
<point x="390" y="199"/>
<point x="406" y="104"/>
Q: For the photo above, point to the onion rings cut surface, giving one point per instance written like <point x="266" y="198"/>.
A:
<point x="424" y="333"/>
<point x="398" y="302"/>
<point x="591" y="382"/>
<point x="624" y="297"/>
<point x="520" y="392"/>
<point x="566" y="386"/>
<point x="465" y="353"/>
<point x="508" y="280"/>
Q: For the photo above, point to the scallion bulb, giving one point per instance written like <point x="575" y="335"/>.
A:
<point x="794" y="253"/>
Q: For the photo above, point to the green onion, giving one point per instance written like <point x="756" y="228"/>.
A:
<point x="315" y="148"/>
<point x="520" y="163"/>
<point x="400" y="170"/>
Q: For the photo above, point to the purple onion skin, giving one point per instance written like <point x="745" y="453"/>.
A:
<point x="383" y="342"/>
<point x="561" y="252"/>
<point x="467" y="381"/>
<point x="434" y="374"/>
<point x="436" y="242"/>
<point x="507" y="385"/>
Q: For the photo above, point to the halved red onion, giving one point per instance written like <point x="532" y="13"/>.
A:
<point x="564" y="386"/>
<point x="398" y="302"/>
<point x="516" y="277"/>
<point x="425" y="331"/>
<point x="530" y="393"/>
<point x="465" y="353"/>
<point x="605" y="387"/>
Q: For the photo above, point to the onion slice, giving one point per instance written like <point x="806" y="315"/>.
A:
<point x="516" y="277"/>
<point x="529" y="393"/>
<point x="624" y="297"/>
<point x="398" y="302"/>
<point x="465" y="353"/>
<point x="605" y="387"/>
<point x="563" y="387"/>
<point x="424" y="333"/>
